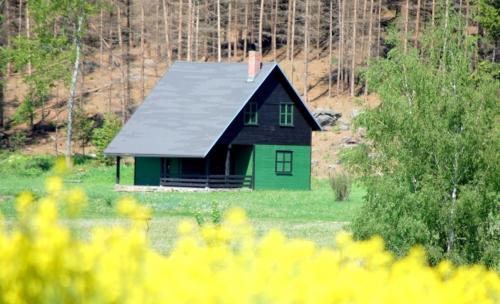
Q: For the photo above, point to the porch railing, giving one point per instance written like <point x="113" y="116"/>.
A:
<point x="209" y="181"/>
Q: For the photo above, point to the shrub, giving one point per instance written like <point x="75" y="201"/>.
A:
<point x="104" y="135"/>
<point x="43" y="261"/>
<point x="341" y="185"/>
<point x="26" y="165"/>
<point x="18" y="141"/>
<point x="212" y="216"/>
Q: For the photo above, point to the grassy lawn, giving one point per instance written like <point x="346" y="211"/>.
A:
<point x="305" y="214"/>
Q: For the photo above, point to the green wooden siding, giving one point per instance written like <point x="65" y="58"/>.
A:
<point x="265" y="168"/>
<point x="243" y="160"/>
<point x="147" y="171"/>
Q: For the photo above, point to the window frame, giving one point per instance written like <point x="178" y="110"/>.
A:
<point x="283" y="162"/>
<point x="250" y="114"/>
<point x="286" y="111"/>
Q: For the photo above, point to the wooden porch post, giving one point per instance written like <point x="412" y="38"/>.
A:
<point x="118" y="158"/>
<point x="228" y="163"/>
<point x="207" y="171"/>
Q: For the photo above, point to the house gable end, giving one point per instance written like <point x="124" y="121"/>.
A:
<point x="275" y="90"/>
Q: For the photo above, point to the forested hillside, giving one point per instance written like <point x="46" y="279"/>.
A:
<point x="93" y="59"/>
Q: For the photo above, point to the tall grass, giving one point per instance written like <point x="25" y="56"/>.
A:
<point x="341" y="184"/>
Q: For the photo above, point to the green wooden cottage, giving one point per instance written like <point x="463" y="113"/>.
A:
<point x="220" y="125"/>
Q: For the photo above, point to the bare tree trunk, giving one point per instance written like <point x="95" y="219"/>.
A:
<point x="379" y="26"/>
<point x="28" y="33"/>
<point x="275" y="25"/>
<point x="167" y="36"/>
<point x="72" y="92"/>
<point x="288" y="29"/>
<point x="353" y="61"/>
<point x="292" y="50"/>
<point x="306" y="50"/>
<point x="466" y="14"/>
<point x="2" y="97"/>
<point x="100" y="36"/>
<point x="130" y="34"/>
<point x="126" y="59"/>
<point x="190" y="29"/>
<point x="6" y="25"/>
<point x="179" y="34"/>
<point x="124" y="103"/>
<point x="417" y="24"/>
<point x="219" y="50"/>
<point x="446" y="18"/>
<point x="2" y="93"/>
<point x="433" y="13"/>
<point x="237" y="29"/>
<point x="344" y="62"/>
<point x="157" y="35"/>
<point x="207" y="34"/>
<point x="318" y="32"/>
<point x="363" y="30"/>
<point x="20" y="19"/>
<point x="142" y="50"/>
<point x="110" y="62"/>
<point x="245" y="31"/>
<point x="261" y="20"/>
<point x="370" y="29"/>
<point x="197" y="33"/>
<point x="340" y="45"/>
<point x="330" y="54"/>
<point x="405" y="37"/>
<point x="229" y="33"/>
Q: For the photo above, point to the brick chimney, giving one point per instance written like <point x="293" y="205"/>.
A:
<point x="254" y="64"/>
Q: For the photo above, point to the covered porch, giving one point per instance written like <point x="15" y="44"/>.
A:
<point x="225" y="167"/>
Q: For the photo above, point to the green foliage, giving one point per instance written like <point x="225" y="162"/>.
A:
<point x="17" y="140"/>
<point x="47" y="53"/>
<point x="212" y="216"/>
<point x="83" y="127"/>
<point x="341" y="184"/>
<point x="104" y="135"/>
<point x="25" y="165"/>
<point x="488" y="16"/>
<point x="25" y="111"/>
<point x="431" y="162"/>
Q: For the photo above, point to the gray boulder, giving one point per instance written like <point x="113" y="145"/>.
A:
<point x="326" y="117"/>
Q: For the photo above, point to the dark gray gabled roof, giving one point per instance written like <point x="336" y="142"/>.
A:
<point x="188" y="110"/>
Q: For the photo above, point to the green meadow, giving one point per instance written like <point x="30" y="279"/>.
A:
<point x="314" y="214"/>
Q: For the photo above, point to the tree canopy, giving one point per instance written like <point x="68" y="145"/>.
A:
<point x="431" y="161"/>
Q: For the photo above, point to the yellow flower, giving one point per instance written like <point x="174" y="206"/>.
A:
<point x="76" y="199"/>
<point x="129" y="207"/>
<point x="126" y="206"/>
<point x="185" y="227"/>
<point x="23" y="201"/>
<point x="236" y="216"/>
<point x="61" y="166"/>
<point x="342" y="238"/>
<point x="41" y="260"/>
<point x="53" y="185"/>
<point x="47" y="211"/>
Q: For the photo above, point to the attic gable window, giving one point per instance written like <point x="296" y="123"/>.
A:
<point x="250" y="114"/>
<point x="286" y="114"/>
